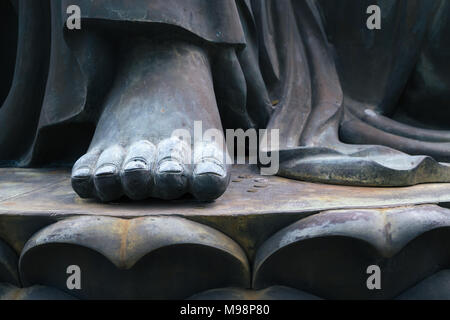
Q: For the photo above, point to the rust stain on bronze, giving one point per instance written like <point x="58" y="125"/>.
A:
<point x="16" y="294"/>
<point x="124" y="226"/>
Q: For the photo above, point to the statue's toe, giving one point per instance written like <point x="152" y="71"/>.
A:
<point x="171" y="179"/>
<point x="210" y="180"/>
<point x="143" y="171"/>
<point x="107" y="180"/>
<point x="172" y="173"/>
<point x="82" y="179"/>
<point x="136" y="175"/>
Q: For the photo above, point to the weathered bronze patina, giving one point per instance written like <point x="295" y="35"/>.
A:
<point x="364" y="149"/>
<point x="353" y="106"/>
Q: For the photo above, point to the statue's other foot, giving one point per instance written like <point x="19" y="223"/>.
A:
<point x="159" y="88"/>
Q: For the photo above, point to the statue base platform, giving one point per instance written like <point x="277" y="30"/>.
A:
<point x="266" y="238"/>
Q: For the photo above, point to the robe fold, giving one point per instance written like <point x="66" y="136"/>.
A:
<point x="346" y="100"/>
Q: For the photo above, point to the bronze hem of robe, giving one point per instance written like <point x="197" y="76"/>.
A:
<point x="274" y="69"/>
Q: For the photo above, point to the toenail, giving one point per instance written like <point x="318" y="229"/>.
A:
<point x="170" y="166"/>
<point x="81" y="173"/>
<point x="135" y="164"/>
<point x="106" y="170"/>
<point x="208" y="167"/>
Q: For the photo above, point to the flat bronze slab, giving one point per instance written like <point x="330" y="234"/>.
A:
<point x="48" y="192"/>
<point x="269" y="231"/>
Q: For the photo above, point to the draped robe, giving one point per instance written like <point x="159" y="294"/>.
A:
<point x="352" y="105"/>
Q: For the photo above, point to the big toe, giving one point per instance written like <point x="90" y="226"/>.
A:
<point x="210" y="180"/>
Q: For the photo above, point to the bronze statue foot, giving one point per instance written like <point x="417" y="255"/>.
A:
<point x="159" y="88"/>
